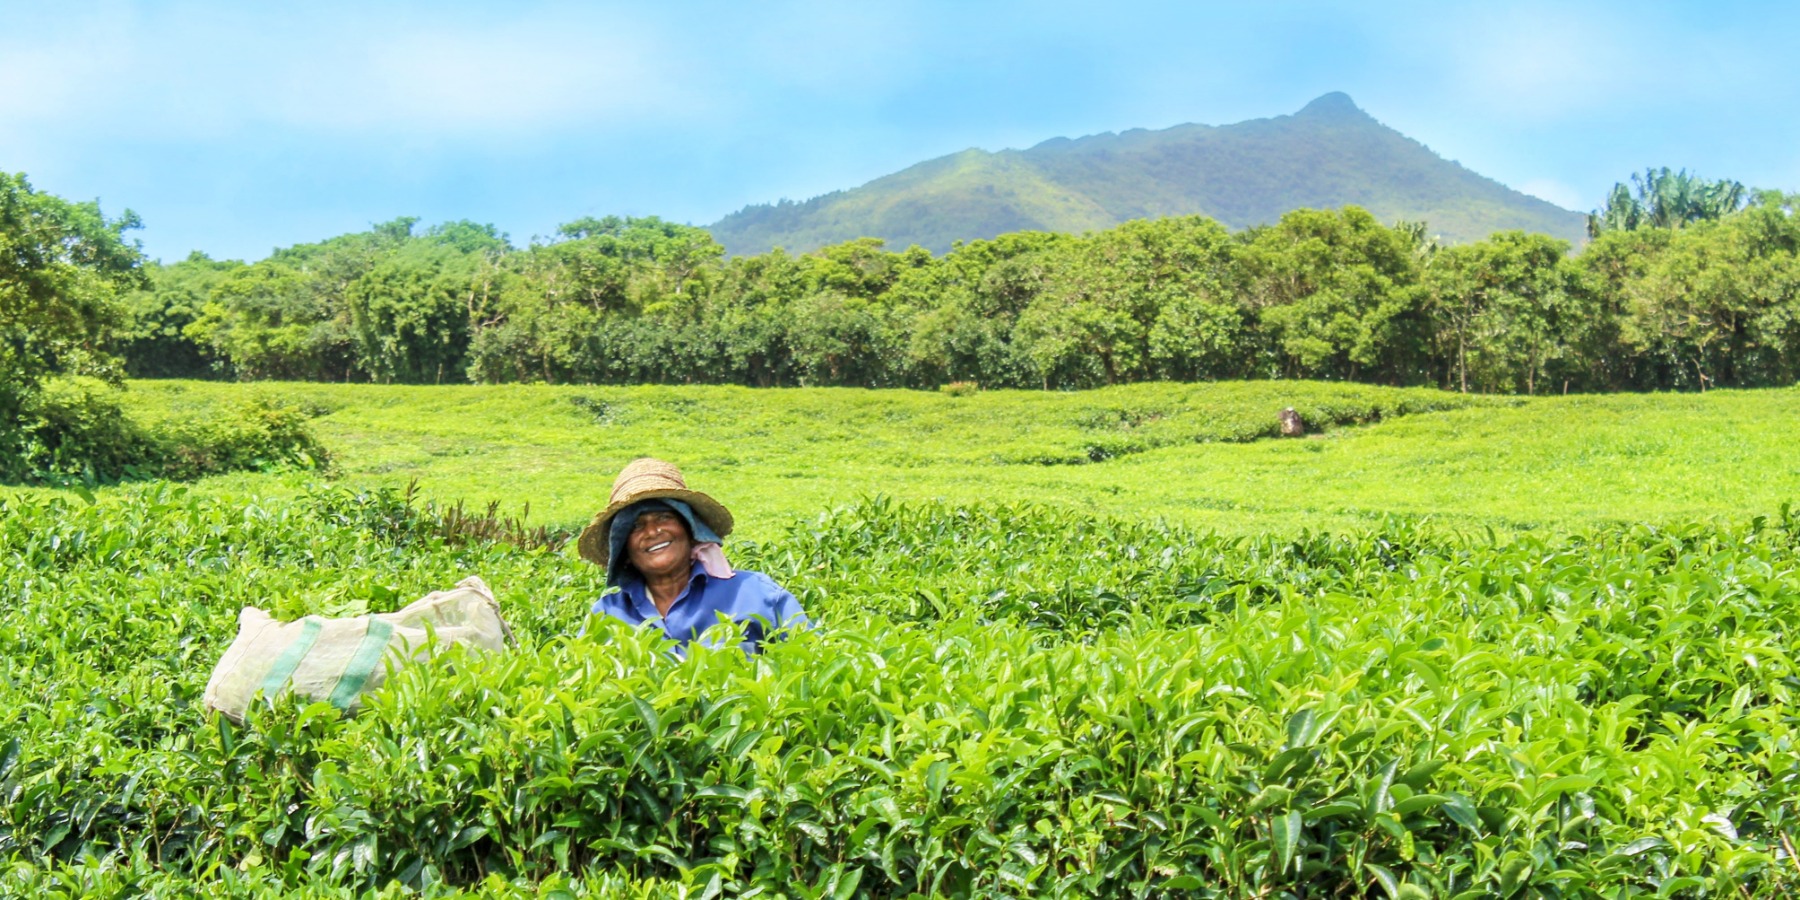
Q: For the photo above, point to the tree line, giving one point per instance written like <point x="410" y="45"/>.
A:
<point x="1686" y="284"/>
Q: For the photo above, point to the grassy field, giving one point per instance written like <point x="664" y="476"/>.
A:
<point x="1189" y="453"/>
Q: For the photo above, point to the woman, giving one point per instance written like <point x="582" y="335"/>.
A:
<point x="659" y="543"/>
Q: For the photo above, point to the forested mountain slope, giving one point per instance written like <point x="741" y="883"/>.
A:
<point x="1327" y="155"/>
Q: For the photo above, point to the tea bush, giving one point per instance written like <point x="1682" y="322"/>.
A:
<point x="997" y="700"/>
<point x="78" y="430"/>
<point x="257" y="434"/>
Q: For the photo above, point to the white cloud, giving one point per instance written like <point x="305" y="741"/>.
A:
<point x="51" y="75"/>
<point x="527" y="74"/>
<point x="1543" y="62"/>
<point x="830" y="47"/>
<point x="182" y="72"/>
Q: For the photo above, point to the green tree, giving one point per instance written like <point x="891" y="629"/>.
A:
<point x="626" y="264"/>
<point x="859" y="268"/>
<point x="965" y="308"/>
<point x="610" y="299"/>
<point x="841" y="340"/>
<point x="1660" y="198"/>
<point x="1504" y="307"/>
<point x="410" y="314"/>
<point x="1337" y="296"/>
<point x="63" y="267"/>
<point x="1604" y="275"/>
<point x="1770" y="229"/>
<point x="1125" y="303"/>
<point x="1710" y="305"/>
<point x="271" y="320"/>
<point x="153" y="339"/>
<point x="751" y="311"/>
<point x="288" y="316"/>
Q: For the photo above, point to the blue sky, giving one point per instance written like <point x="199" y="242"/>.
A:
<point x="235" y="128"/>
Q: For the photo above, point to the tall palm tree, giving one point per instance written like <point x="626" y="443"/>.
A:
<point x="1661" y="198"/>
<point x="1621" y="213"/>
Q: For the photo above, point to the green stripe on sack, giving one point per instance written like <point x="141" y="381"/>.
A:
<point x="362" y="664"/>
<point x="289" y="660"/>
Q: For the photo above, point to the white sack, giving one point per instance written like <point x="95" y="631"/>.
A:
<point x="338" y="660"/>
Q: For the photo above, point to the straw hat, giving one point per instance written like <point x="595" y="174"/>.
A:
<point x="648" y="479"/>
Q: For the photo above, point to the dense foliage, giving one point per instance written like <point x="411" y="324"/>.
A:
<point x="999" y="700"/>
<point x="62" y="268"/>
<point x="83" y="433"/>
<point x="65" y="270"/>
<point x="1323" y="295"/>
<point x="1664" y="199"/>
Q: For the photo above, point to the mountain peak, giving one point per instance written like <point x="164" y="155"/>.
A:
<point x="1329" y="154"/>
<point x="1335" y="105"/>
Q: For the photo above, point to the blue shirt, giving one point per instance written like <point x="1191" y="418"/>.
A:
<point x="748" y="598"/>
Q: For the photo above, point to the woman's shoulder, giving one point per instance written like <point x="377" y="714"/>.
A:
<point x="754" y="581"/>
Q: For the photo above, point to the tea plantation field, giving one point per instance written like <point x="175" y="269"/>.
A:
<point x="1103" y="644"/>
<point x="1188" y="453"/>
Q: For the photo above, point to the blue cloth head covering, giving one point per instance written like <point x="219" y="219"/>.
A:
<point x="625" y="519"/>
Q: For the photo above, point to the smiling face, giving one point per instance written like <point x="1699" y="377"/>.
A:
<point x="659" y="545"/>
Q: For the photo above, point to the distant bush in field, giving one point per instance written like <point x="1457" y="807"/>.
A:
<point x="77" y="427"/>
<point x="960" y="388"/>
<point x="77" y="430"/>
<point x="260" y="433"/>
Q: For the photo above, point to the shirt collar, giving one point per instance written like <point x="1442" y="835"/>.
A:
<point x="638" y="593"/>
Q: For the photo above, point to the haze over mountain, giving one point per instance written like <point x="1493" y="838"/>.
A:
<point x="1329" y="154"/>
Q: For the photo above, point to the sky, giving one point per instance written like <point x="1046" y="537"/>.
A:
<point x="237" y="128"/>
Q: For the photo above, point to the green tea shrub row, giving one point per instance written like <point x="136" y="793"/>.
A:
<point x="1065" y="572"/>
<point x="77" y="430"/>
<point x="996" y="701"/>
<point x="1121" y="431"/>
<point x="400" y="517"/>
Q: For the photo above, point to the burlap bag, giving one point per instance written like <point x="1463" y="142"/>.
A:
<point x="338" y="660"/>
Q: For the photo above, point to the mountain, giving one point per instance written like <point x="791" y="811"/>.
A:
<point x="1327" y="155"/>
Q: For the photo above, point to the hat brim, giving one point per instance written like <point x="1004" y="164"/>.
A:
<point x="597" y="549"/>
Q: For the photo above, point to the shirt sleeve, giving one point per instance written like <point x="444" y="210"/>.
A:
<point x="778" y="609"/>
<point x="788" y="614"/>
